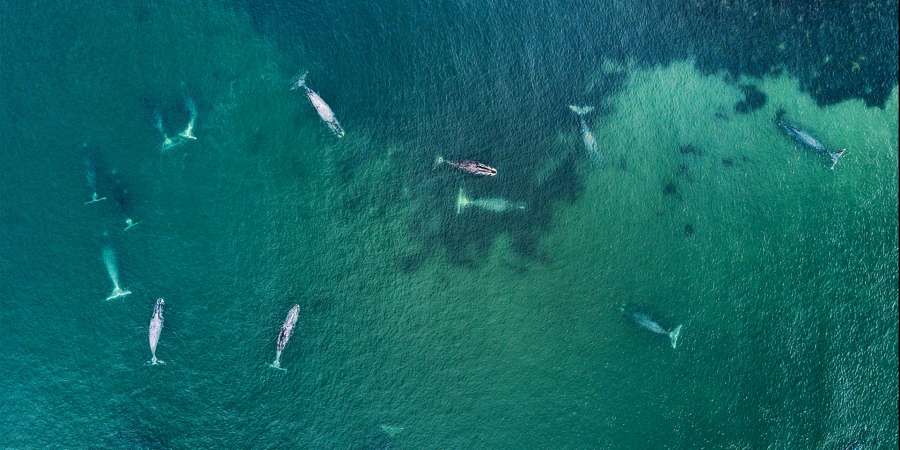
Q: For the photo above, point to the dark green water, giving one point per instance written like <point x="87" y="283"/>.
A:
<point x="421" y="328"/>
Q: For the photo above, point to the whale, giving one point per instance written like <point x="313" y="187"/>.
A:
<point x="186" y="135"/>
<point x="188" y="132"/>
<point x="391" y="430"/>
<point x="287" y="328"/>
<point x="91" y="175"/>
<point x="590" y="143"/>
<point x="467" y="166"/>
<point x="156" y="326"/>
<point x="120" y="195"/>
<point x="644" y="321"/>
<point x="806" y="140"/>
<point x="168" y="143"/>
<point x="492" y="204"/>
<point x="112" y="269"/>
<point x="325" y="112"/>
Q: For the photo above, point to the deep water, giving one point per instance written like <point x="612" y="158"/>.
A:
<point x="421" y="327"/>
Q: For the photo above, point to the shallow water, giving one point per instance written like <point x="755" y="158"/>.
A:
<point x="420" y="327"/>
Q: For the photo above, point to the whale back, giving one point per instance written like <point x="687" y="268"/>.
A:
<point x="644" y="321"/>
<point x="322" y="108"/>
<point x="287" y="328"/>
<point x="156" y="324"/>
<point x="497" y="204"/>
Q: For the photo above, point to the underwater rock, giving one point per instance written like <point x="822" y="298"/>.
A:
<point x="688" y="230"/>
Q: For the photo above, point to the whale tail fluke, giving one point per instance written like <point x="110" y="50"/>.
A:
<point x="188" y="132"/>
<point x="299" y="81"/>
<point x="277" y="365"/>
<point x="461" y="201"/>
<point x="94" y="199"/>
<point x="673" y="336"/>
<point x="117" y="293"/>
<point x="836" y="156"/>
<point x="581" y="110"/>
<point x="438" y="160"/>
<point x="129" y="224"/>
<point x="154" y="361"/>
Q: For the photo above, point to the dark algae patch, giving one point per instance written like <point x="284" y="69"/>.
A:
<point x="688" y="230"/>
<point x="670" y="189"/>
<point x="684" y="171"/>
<point x="753" y="99"/>
<point x="689" y="149"/>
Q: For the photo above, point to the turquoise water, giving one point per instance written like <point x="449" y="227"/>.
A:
<point x="421" y="328"/>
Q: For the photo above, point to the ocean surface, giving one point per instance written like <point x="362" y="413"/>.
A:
<point x="421" y="327"/>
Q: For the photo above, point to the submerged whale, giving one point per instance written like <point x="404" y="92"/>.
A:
<point x="91" y="174"/>
<point x="120" y="195"/>
<point x="156" y="326"/>
<point x="186" y="135"/>
<point x="590" y="143"/>
<point x="391" y="430"/>
<point x="112" y="269"/>
<point x="806" y="140"/>
<point x="325" y="112"/>
<point x="188" y="132"/>
<point x="644" y="321"/>
<point x="168" y="143"/>
<point x="287" y="328"/>
<point x="494" y="204"/>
